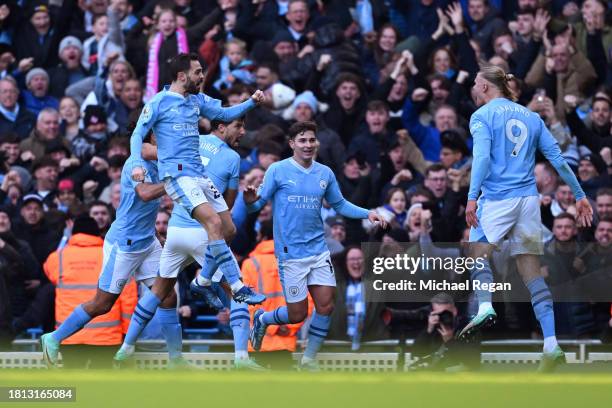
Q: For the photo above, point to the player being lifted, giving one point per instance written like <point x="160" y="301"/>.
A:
<point x="297" y="187"/>
<point x="186" y="240"/>
<point x="173" y="114"/>
<point x="130" y="247"/>
<point x="506" y="137"/>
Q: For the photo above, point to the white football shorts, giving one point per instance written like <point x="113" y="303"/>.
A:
<point x="119" y="266"/>
<point x="297" y="274"/>
<point x="518" y="218"/>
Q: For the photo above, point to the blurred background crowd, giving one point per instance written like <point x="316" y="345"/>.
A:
<point x="388" y="83"/>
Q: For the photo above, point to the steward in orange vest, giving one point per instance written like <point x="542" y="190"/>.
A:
<point x="74" y="270"/>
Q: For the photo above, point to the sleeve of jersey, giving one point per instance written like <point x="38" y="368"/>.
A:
<point x="211" y="109"/>
<point x="334" y="197"/>
<point x="145" y="123"/>
<point x="235" y="175"/>
<point x="266" y="191"/>
<point x="481" y="155"/>
<point x="550" y="149"/>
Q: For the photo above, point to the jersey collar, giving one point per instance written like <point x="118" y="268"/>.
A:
<point x="300" y="167"/>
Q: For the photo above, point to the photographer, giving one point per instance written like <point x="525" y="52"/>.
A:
<point x="436" y="346"/>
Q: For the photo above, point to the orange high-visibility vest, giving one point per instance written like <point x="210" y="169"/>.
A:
<point x="260" y="271"/>
<point x="74" y="270"/>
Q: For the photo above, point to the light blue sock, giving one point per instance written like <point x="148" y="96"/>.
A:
<point x="210" y="265"/>
<point x="278" y="316"/>
<point x="75" y="322"/>
<point x="145" y="309"/>
<point x="483" y="275"/>
<point x="171" y="328"/>
<point x="239" y="322"/>
<point x="316" y="334"/>
<point x="541" y="300"/>
<point x="225" y="260"/>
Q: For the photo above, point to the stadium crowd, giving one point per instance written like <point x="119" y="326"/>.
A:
<point x="388" y="83"/>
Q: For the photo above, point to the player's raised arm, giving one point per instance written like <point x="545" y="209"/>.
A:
<point x="256" y="198"/>
<point x="211" y="108"/>
<point x="143" y="126"/>
<point x="550" y="149"/>
<point x="334" y="197"/>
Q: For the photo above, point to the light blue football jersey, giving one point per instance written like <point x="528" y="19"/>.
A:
<point x="134" y="227"/>
<point x="297" y="194"/>
<point x="221" y="164"/>
<point x="174" y="120"/>
<point x="506" y="138"/>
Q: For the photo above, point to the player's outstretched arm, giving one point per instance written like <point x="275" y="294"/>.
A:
<point x="253" y="201"/>
<point x="150" y="191"/>
<point x="211" y="108"/>
<point x="256" y="198"/>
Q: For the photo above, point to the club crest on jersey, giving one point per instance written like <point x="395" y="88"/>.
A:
<point x="294" y="290"/>
<point x="146" y="112"/>
<point x="323" y="184"/>
<point x="121" y="283"/>
<point x="196" y="109"/>
<point x="196" y="192"/>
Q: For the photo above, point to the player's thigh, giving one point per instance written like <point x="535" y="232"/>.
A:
<point x="322" y="283"/>
<point x="176" y="252"/>
<point x="294" y="279"/>
<point x="150" y="264"/>
<point x="186" y="191"/>
<point x="526" y="235"/>
<point x="118" y="267"/>
<point x="498" y="218"/>
<point x="213" y="196"/>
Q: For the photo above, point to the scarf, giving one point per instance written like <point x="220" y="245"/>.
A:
<point x="355" y="307"/>
<point x="153" y="67"/>
<point x="399" y="217"/>
<point x="10" y="115"/>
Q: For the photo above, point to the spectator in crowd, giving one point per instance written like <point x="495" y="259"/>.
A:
<point x="161" y="225"/>
<point x="93" y="139"/>
<point x="36" y="97"/>
<point x="102" y="214"/>
<point x="13" y="116"/>
<point x="372" y="142"/>
<point x="592" y="174"/>
<point x="603" y="201"/>
<point x="347" y="107"/>
<point x="337" y="234"/>
<point x="484" y="22"/>
<point x="70" y="70"/>
<point x="130" y="103"/>
<point x="35" y="229"/>
<point x="66" y="196"/>
<point x="445" y="206"/>
<point x="69" y="118"/>
<point x="356" y="317"/>
<point x="45" y="172"/>
<point x="38" y="35"/>
<point x="45" y="133"/>
<point x="106" y="43"/>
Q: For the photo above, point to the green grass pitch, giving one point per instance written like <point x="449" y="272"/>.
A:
<point x="141" y="388"/>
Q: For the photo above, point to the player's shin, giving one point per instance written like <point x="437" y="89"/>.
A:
<point x="172" y="331"/>
<point x="278" y="316"/>
<point x="484" y="277"/>
<point x="145" y="309"/>
<point x="319" y="326"/>
<point x="239" y="322"/>
<point x="227" y="263"/>
<point x="541" y="300"/>
<point x="204" y="278"/>
<point x="75" y="322"/>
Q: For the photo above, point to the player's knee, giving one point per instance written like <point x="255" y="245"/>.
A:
<point x="229" y="232"/>
<point x="325" y="310"/>
<point x="297" y="316"/>
<point x="99" y="308"/>
<point x="214" y="226"/>
<point x="169" y="301"/>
